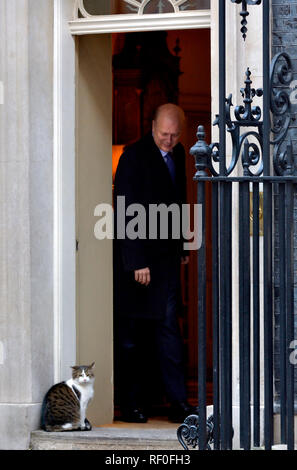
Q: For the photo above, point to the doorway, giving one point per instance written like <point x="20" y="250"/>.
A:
<point x="150" y="69"/>
<point x="98" y="149"/>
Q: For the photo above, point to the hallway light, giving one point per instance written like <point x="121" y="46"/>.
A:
<point x="117" y="151"/>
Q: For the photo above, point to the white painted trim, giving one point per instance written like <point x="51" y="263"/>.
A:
<point x="57" y="190"/>
<point x="128" y="23"/>
<point x="64" y="192"/>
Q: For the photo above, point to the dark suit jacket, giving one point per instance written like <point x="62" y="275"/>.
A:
<point x="143" y="178"/>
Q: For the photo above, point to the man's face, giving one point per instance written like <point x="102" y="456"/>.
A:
<point x="166" y="132"/>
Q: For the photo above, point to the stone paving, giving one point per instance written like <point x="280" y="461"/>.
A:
<point x="153" y="435"/>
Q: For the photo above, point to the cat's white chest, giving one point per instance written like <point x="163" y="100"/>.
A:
<point x="86" y="390"/>
<point x="86" y="393"/>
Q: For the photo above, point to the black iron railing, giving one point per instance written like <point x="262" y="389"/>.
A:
<point x="262" y="155"/>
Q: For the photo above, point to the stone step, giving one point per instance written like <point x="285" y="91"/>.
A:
<point x="108" y="438"/>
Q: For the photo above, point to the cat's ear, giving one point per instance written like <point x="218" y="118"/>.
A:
<point x="74" y="367"/>
<point x="92" y="365"/>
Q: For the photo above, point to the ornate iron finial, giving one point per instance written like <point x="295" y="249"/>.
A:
<point x="246" y="115"/>
<point x="201" y="151"/>
<point x="246" y="112"/>
<point x="244" y="13"/>
<point x="281" y="75"/>
<point x="188" y="432"/>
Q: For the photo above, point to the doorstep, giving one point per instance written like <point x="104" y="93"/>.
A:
<point x="153" y="435"/>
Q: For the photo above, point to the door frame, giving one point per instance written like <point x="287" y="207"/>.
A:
<point x="64" y="86"/>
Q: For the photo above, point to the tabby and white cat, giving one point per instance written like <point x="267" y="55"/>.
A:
<point x="65" y="404"/>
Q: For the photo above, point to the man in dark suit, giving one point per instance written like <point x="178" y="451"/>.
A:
<point x="150" y="175"/>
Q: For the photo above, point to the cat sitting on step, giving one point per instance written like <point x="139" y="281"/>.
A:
<point x="65" y="404"/>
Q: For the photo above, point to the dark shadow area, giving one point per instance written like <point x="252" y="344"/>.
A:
<point x="150" y="69"/>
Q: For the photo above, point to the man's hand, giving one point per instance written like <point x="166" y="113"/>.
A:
<point x="143" y="276"/>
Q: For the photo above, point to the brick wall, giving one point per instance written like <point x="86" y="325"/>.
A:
<point x="284" y="39"/>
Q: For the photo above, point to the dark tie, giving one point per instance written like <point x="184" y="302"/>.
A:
<point x="171" y="166"/>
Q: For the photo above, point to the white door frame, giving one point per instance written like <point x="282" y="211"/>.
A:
<point x="130" y="23"/>
<point x="64" y="192"/>
<point x="64" y="152"/>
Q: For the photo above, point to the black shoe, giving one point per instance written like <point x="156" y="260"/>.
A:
<point x="134" y="416"/>
<point x="179" y="411"/>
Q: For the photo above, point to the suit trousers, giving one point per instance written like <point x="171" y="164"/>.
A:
<point x="139" y="340"/>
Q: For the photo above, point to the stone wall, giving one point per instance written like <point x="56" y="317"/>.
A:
<point x="26" y="216"/>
